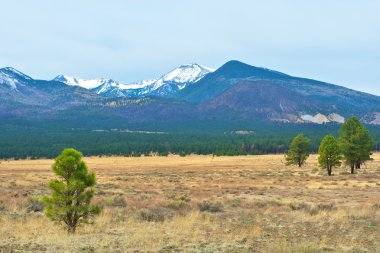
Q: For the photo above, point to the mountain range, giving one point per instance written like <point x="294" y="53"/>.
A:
<point x="235" y="91"/>
<point x="167" y="85"/>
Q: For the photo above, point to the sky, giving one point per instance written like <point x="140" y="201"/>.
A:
<point x="329" y="40"/>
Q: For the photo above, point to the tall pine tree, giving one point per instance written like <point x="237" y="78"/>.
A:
<point x="329" y="154"/>
<point x="298" y="151"/>
<point x="355" y="143"/>
<point x="70" y="200"/>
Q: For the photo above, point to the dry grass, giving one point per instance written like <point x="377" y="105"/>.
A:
<point x="200" y="204"/>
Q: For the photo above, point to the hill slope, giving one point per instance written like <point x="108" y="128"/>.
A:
<point x="252" y="92"/>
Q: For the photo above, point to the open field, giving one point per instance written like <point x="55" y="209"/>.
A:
<point x="200" y="204"/>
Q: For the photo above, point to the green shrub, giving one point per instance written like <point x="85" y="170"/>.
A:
<point x="152" y="215"/>
<point x="312" y="210"/>
<point x="184" y="198"/>
<point x="265" y="203"/>
<point x="34" y="205"/>
<point x="208" y="206"/>
<point x="235" y="203"/>
<point x="116" y="201"/>
<point x="177" y="204"/>
<point x="321" y="207"/>
<point x="326" y="207"/>
<point x="180" y="202"/>
<point x="299" y="206"/>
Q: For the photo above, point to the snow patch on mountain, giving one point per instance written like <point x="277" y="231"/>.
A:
<point x="5" y="79"/>
<point x="188" y="73"/>
<point x="180" y="77"/>
<point x="88" y="84"/>
<point x="110" y="88"/>
<point x="10" y="77"/>
<point x="107" y="86"/>
<point x="139" y="85"/>
<point x="15" y="73"/>
<point x="167" y="84"/>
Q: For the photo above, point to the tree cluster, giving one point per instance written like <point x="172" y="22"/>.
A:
<point x="353" y="146"/>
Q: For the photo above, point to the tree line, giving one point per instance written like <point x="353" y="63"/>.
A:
<point x="353" y="147"/>
<point x="47" y="141"/>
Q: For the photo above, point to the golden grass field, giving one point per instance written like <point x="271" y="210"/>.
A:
<point x="199" y="204"/>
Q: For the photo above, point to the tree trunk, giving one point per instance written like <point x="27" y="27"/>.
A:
<point x="71" y="229"/>
<point x="329" y="169"/>
<point x="358" y="165"/>
<point x="352" y="168"/>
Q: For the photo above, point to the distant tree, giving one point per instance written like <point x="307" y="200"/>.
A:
<point x="355" y="143"/>
<point x="329" y="154"/>
<point x="70" y="200"/>
<point x="298" y="151"/>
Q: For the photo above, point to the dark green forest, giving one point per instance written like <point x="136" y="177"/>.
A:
<point x="21" y="140"/>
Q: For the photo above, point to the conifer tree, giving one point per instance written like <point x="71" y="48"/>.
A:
<point x="298" y="151"/>
<point x="70" y="200"/>
<point x="355" y="143"/>
<point x="329" y="154"/>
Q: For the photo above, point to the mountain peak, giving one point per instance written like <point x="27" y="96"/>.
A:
<point x="12" y="77"/>
<point x="171" y="82"/>
<point x="196" y="65"/>
<point x="12" y="72"/>
<point x="66" y="79"/>
<point x="237" y="69"/>
<point x="186" y="73"/>
<point x="236" y="63"/>
<point x="87" y="84"/>
<point x="188" y="65"/>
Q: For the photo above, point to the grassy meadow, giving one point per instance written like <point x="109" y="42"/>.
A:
<point x="199" y="204"/>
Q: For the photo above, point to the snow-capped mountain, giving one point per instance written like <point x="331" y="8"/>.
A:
<point x="184" y="74"/>
<point x="22" y="95"/>
<point x="105" y="87"/>
<point x="178" y="79"/>
<point x="11" y="77"/>
<point x="110" y="88"/>
<point x="88" y="84"/>
<point x="166" y="85"/>
<point x="235" y="91"/>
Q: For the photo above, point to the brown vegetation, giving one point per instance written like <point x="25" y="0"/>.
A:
<point x="200" y="204"/>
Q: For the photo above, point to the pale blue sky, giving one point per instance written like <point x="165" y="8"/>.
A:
<point x="333" y="41"/>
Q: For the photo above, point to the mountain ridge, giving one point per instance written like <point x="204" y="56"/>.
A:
<point x="169" y="83"/>
<point x="235" y="91"/>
